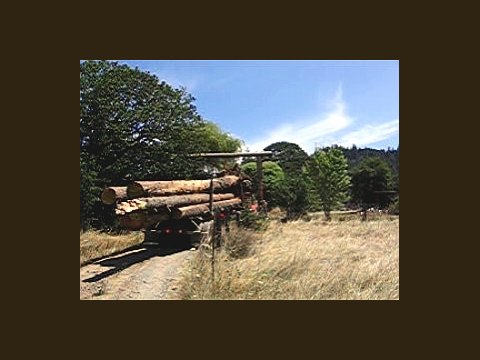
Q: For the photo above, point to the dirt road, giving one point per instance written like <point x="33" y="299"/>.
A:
<point x="141" y="273"/>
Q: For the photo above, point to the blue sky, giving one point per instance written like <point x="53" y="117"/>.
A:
<point x="311" y="103"/>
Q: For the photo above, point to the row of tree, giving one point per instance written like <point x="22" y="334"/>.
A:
<point x="331" y="178"/>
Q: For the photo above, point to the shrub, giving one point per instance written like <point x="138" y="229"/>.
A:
<point x="255" y="221"/>
<point x="394" y="207"/>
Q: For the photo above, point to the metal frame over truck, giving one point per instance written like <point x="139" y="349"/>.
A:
<point x="212" y="224"/>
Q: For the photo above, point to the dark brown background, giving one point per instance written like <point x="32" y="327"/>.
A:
<point x="42" y="275"/>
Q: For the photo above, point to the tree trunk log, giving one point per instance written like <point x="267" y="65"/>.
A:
<point x="176" y="187"/>
<point x="141" y="220"/>
<point x="111" y="194"/>
<point x="199" y="209"/>
<point x="170" y="201"/>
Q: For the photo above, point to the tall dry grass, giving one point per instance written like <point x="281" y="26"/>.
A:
<point x="302" y="260"/>
<point x="95" y="244"/>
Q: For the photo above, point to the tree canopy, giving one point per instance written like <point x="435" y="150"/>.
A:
<point x="355" y="156"/>
<point x="371" y="182"/>
<point x="273" y="178"/>
<point x="291" y="157"/>
<point x="329" y="172"/>
<point x="134" y="126"/>
<point x="295" y="195"/>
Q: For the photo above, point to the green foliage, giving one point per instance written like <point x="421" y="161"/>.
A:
<point x="255" y="221"/>
<point x="356" y="155"/>
<point x="88" y="192"/>
<point x="132" y="126"/>
<point x="396" y="181"/>
<point x="394" y="207"/>
<point x="329" y="172"/>
<point x="294" y="196"/>
<point x="273" y="178"/>
<point x="291" y="157"/>
<point x="211" y="137"/>
<point x="370" y="178"/>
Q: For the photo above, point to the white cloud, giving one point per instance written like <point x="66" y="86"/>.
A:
<point x="326" y="129"/>
<point x="307" y="132"/>
<point x="369" y="134"/>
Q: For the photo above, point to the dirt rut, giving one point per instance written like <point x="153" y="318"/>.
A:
<point x="140" y="273"/>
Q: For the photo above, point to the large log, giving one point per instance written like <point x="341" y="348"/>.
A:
<point x="199" y="209"/>
<point x="141" y="220"/>
<point x="177" y="187"/>
<point x="111" y="194"/>
<point x="159" y="203"/>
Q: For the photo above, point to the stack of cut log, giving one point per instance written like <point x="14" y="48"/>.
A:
<point x="143" y="204"/>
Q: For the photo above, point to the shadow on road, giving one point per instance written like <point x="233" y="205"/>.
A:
<point x="134" y="255"/>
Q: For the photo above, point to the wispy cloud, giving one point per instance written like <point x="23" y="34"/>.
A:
<point x="308" y="132"/>
<point x="370" y="134"/>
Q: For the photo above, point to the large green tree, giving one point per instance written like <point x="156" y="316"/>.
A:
<point x="329" y="172"/>
<point x="294" y="196"/>
<point x="371" y="183"/>
<point x="216" y="140"/>
<point x="134" y="126"/>
<point x="88" y="190"/>
<point x="273" y="178"/>
<point x="355" y="156"/>
<point x="211" y="137"/>
<point x="291" y="157"/>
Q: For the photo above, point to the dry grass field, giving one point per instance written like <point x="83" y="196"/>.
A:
<point x="95" y="244"/>
<point x="339" y="260"/>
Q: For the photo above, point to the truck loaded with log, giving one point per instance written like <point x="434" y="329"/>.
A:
<point x="178" y="208"/>
<point x="186" y="208"/>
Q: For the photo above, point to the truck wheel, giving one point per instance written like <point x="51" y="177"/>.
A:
<point x="150" y="237"/>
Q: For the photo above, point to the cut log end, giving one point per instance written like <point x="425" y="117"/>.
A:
<point x="111" y="194"/>
<point x="141" y="220"/>
<point x="108" y="196"/>
<point x="135" y="190"/>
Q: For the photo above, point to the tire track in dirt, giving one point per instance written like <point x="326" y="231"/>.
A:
<point x="147" y="273"/>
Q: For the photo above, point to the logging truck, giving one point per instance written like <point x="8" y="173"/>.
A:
<point x="191" y="210"/>
<point x="198" y="224"/>
<point x="194" y="210"/>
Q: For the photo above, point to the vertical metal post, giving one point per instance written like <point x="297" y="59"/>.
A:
<point x="260" y="178"/>
<point x="214" y="230"/>
<point x="211" y="196"/>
